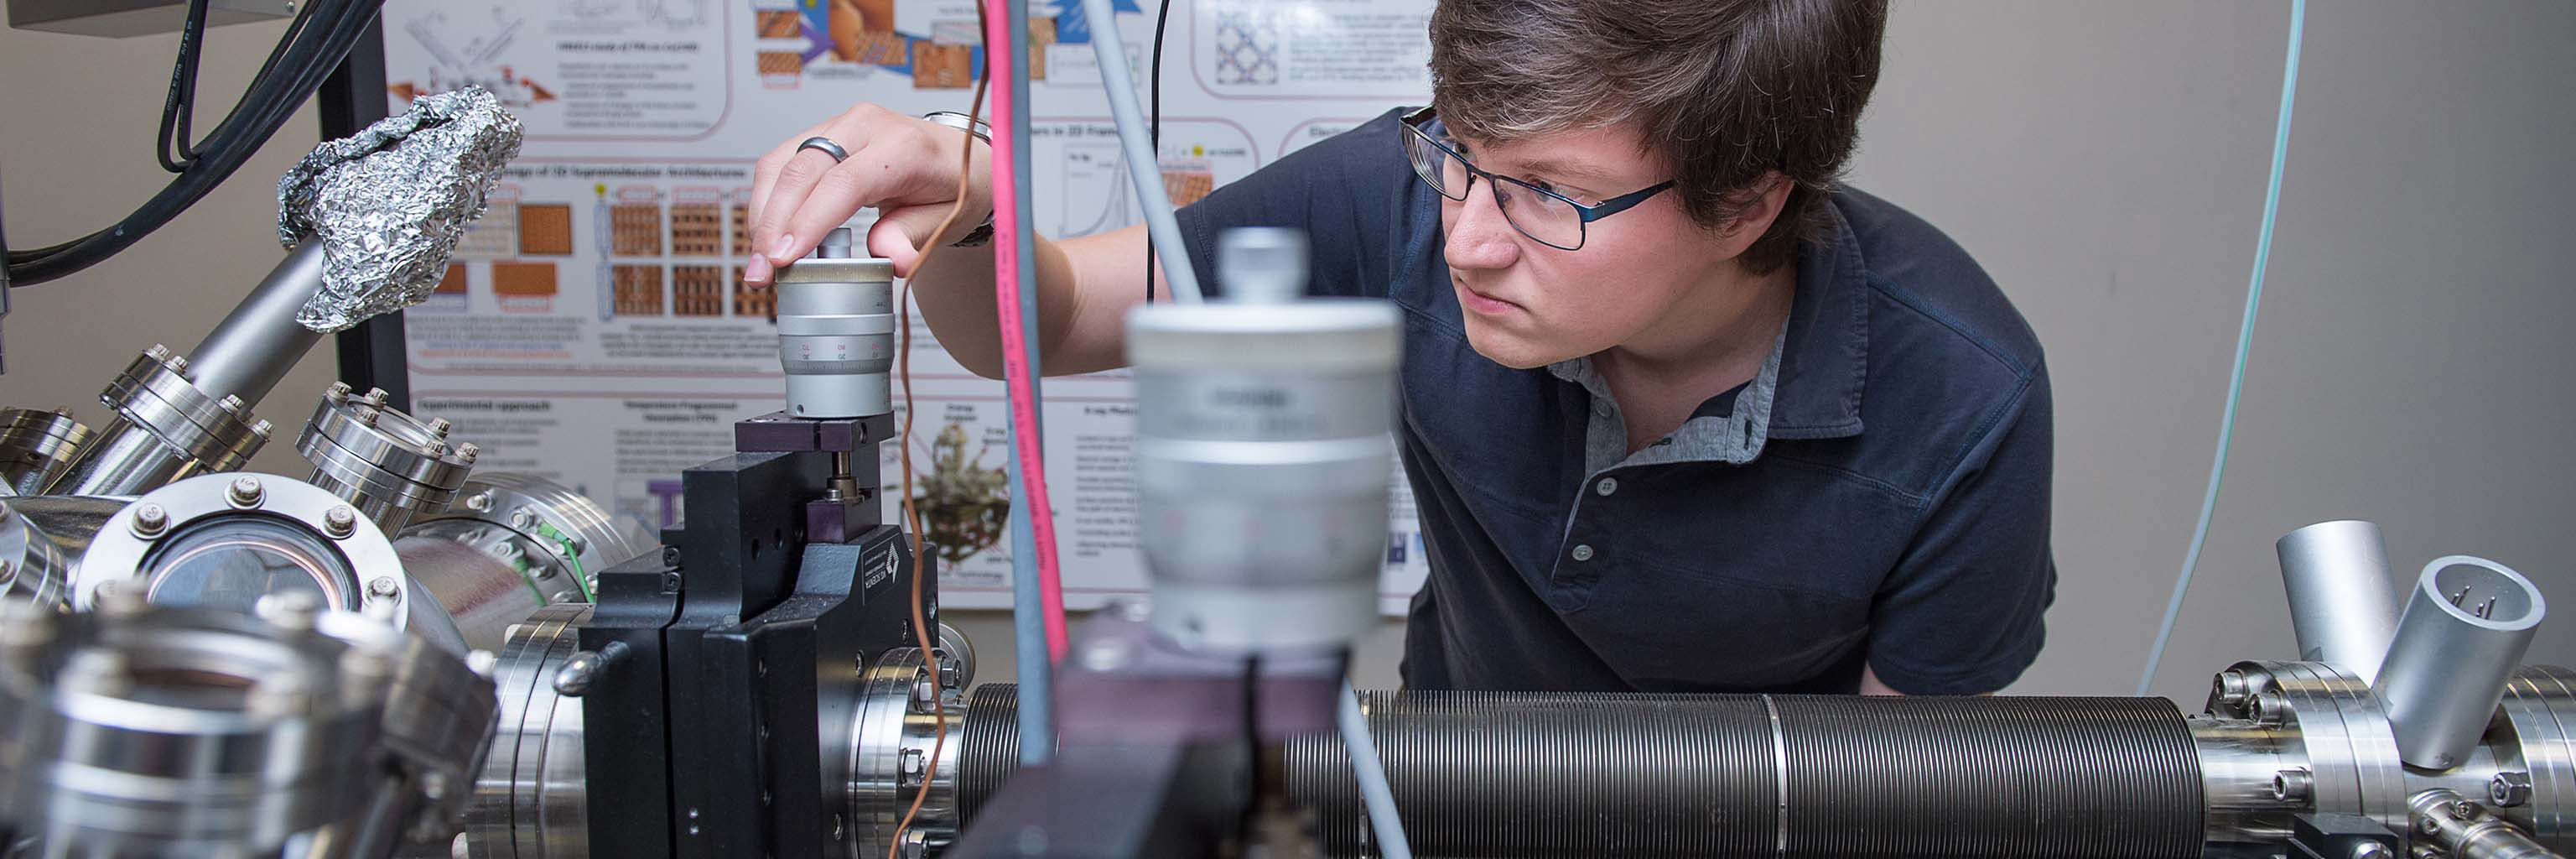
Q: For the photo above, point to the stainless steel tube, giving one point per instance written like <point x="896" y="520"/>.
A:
<point x="122" y="459"/>
<point x="2343" y="601"/>
<point x="2458" y="827"/>
<point x="254" y="346"/>
<point x="2465" y="629"/>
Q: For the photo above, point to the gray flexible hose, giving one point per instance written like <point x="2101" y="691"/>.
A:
<point x="1144" y="170"/>
<point x="1374" y="792"/>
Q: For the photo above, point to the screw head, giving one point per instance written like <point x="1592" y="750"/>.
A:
<point x="439" y="426"/>
<point x="2464" y="810"/>
<point x="278" y="695"/>
<point x="480" y="501"/>
<point x="467" y="452"/>
<point x="2293" y="785"/>
<point x="383" y="587"/>
<point x="263" y="428"/>
<point x="177" y="364"/>
<point x="2510" y="789"/>
<point x="338" y="391"/>
<point x="2270" y="706"/>
<point x="913" y="766"/>
<point x="521" y="518"/>
<point x="2371" y="850"/>
<point x="230" y="403"/>
<point x="245" y="492"/>
<point x="158" y="353"/>
<point x="482" y="663"/>
<point x="2231" y="688"/>
<point x="115" y="600"/>
<point x="293" y="611"/>
<point x="376" y="397"/>
<point x="339" y="521"/>
<point x="367" y="415"/>
<point x="150" y="520"/>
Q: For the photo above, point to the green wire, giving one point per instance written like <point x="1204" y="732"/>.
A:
<point x="579" y="579"/>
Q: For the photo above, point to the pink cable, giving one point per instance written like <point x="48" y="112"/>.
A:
<point x="1006" y="301"/>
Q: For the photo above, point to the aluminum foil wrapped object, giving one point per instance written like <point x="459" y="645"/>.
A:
<point x="390" y="202"/>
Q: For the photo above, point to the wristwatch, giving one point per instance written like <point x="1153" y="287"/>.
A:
<point x="983" y="233"/>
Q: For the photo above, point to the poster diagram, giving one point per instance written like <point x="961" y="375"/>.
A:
<point x="594" y="327"/>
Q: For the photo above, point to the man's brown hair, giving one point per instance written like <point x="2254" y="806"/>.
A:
<point x="1725" y="91"/>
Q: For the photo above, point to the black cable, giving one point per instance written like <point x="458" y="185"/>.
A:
<point x="176" y="109"/>
<point x="303" y="44"/>
<point x="271" y="98"/>
<point x="325" y="33"/>
<point x="1154" y="130"/>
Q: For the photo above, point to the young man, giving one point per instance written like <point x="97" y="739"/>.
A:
<point x="1679" y="413"/>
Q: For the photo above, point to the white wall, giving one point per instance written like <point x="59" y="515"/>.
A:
<point x="2105" y="160"/>
<point x="77" y="120"/>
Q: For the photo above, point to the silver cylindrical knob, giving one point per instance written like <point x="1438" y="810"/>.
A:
<point x="1262" y="458"/>
<point x="836" y="333"/>
<point x="2464" y="631"/>
<point x="2343" y="601"/>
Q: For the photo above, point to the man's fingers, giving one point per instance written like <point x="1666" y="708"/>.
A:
<point x="764" y="172"/>
<point x="773" y="233"/>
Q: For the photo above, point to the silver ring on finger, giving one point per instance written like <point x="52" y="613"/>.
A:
<point x="826" y="146"/>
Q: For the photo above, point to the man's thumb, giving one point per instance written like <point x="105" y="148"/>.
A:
<point x="899" y="234"/>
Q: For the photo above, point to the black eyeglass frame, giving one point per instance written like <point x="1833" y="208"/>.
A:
<point x="1586" y="213"/>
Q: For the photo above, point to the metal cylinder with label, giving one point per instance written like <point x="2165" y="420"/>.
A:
<point x="2465" y="629"/>
<point x="1263" y="454"/>
<point x="836" y="332"/>
<point x="2343" y="602"/>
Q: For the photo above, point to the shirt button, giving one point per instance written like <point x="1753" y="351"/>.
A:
<point x="1606" y="486"/>
<point x="1583" y="551"/>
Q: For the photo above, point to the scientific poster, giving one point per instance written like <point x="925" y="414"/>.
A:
<point x="594" y="328"/>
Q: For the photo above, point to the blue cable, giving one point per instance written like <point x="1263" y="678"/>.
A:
<point x="1375" y="794"/>
<point x="2244" y="343"/>
<point x="1028" y="631"/>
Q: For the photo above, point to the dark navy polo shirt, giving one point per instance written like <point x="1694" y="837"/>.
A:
<point x="1878" y="495"/>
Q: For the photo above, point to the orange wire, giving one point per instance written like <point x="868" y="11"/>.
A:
<point x="912" y="513"/>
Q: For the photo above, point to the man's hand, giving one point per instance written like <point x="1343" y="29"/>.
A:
<point x="903" y="166"/>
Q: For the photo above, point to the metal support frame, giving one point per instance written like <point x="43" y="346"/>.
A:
<point x="743" y="613"/>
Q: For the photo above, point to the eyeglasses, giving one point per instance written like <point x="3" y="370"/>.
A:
<point x="1547" y="217"/>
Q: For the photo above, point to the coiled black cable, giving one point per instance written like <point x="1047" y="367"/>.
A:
<point x="323" y="34"/>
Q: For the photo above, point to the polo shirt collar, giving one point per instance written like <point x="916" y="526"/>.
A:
<point x="1824" y="362"/>
<point x="1808" y="388"/>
